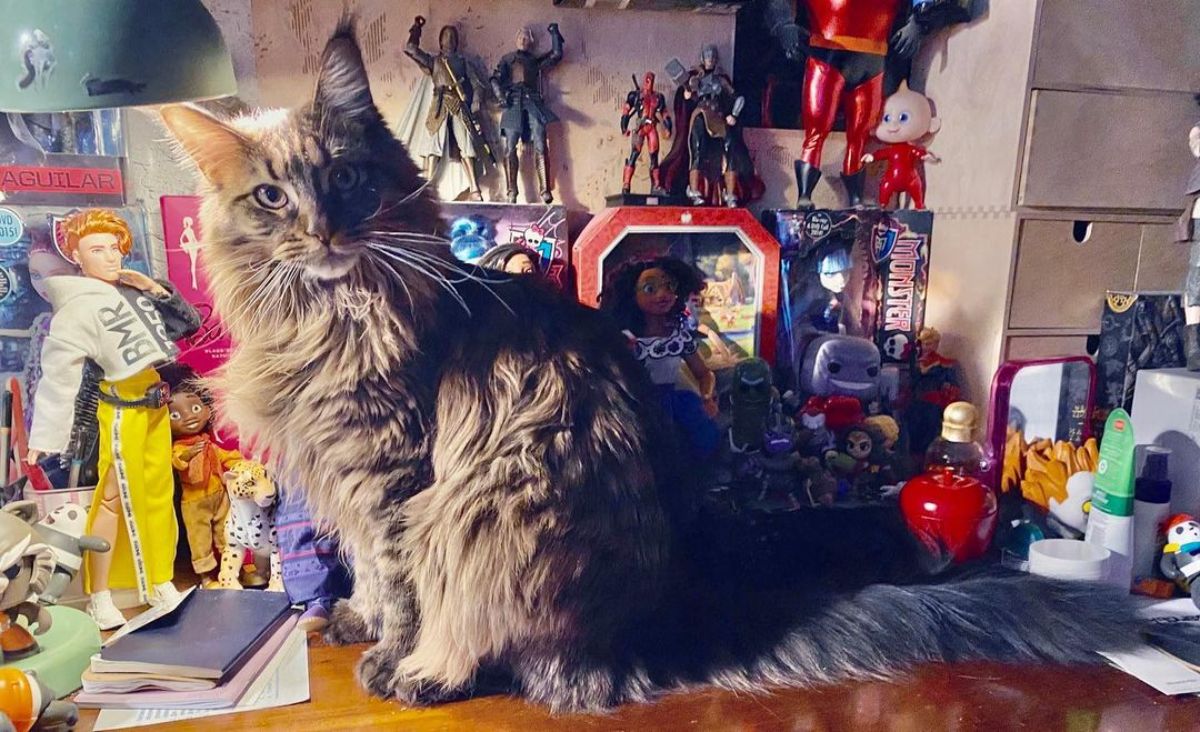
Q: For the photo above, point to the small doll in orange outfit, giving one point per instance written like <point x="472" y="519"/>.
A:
<point x="200" y="463"/>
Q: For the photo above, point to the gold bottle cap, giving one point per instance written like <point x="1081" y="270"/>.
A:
<point x="958" y="422"/>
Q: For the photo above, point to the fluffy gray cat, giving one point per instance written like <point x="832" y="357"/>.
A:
<point x="490" y="454"/>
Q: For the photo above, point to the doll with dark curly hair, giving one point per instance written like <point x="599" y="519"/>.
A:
<point x="647" y="300"/>
<point x="511" y="258"/>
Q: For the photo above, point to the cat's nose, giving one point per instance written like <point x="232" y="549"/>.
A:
<point x="318" y="228"/>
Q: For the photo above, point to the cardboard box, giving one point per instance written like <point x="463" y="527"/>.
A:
<point x="1139" y="330"/>
<point x="885" y="288"/>
<point x="474" y="228"/>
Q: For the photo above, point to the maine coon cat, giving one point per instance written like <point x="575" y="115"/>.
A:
<point x="490" y="454"/>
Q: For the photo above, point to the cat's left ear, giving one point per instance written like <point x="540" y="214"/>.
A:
<point x="219" y="151"/>
<point x="342" y="84"/>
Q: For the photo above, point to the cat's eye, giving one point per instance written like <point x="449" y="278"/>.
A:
<point x="344" y="178"/>
<point x="269" y="196"/>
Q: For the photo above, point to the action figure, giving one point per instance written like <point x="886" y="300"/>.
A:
<point x="62" y="530"/>
<point x="907" y="117"/>
<point x="1181" y="555"/>
<point x="848" y="44"/>
<point x="714" y="137"/>
<point x="26" y="568"/>
<point x="517" y="83"/>
<point x="647" y="107"/>
<point x="1188" y="230"/>
<point x="441" y="118"/>
<point x="126" y="323"/>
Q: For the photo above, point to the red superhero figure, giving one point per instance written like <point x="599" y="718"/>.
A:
<point x="907" y="118"/>
<point x="848" y="43"/>
<point x="647" y="109"/>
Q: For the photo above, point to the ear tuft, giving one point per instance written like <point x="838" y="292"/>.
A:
<point x="217" y="149"/>
<point x="342" y="83"/>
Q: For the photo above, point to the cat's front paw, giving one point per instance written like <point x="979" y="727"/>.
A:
<point x="376" y="670"/>
<point x="422" y="693"/>
<point x="347" y="627"/>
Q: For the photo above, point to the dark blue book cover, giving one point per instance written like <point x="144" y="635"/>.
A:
<point x="208" y="636"/>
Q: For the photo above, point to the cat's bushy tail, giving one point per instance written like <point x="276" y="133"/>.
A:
<point x="747" y="642"/>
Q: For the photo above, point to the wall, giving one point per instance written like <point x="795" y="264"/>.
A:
<point x="977" y="76"/>
<point x="603" y="49"/>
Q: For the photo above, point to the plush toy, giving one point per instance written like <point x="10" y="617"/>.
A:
<point x="251" y="523"/>
<point x="1181" y="555"/>
<point x="907" y="119"/>
<point x="63" y="531"/>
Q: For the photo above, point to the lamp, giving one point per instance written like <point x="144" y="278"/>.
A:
<point x="71" y="55"/>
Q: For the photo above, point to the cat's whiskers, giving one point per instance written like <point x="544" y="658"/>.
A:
<point x="403" y="257"/>
<point x="399" y="203"/>
<point x="441" y="262"/>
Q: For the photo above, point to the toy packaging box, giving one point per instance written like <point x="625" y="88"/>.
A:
<point x="474" y="228"/>
<point x="62" y="159"/>
<point x="1139" y="330"/>
<point x="877" y="264"/>
<point x="738" y="257"/>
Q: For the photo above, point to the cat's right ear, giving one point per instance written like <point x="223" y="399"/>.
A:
<point x="218" y="150"/>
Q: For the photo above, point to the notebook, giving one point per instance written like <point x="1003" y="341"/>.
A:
<point x="209" y="635"/>
<point x="224" y="696"/>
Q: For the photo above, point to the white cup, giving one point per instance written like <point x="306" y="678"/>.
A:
<point x="1067" y="559"/>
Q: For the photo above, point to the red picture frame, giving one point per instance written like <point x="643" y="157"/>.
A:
<point x="599" y="241"/>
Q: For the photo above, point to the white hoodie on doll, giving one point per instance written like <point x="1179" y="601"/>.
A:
<point x="118" y="327"/>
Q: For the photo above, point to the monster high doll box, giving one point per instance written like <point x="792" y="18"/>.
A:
<point x="498" y="234"/>
<point x="1139" y="330"/>
<point x="859" y="272"/>
<point x="736" y="311"/>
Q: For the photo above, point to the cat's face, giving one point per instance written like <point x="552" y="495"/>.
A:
<point x="308" y="198"/>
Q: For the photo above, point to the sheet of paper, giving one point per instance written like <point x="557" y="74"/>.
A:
<point x="283" y="682"/>
<point x="1155" y="667"/>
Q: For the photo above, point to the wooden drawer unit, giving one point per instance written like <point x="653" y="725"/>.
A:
<point x="1060" y="282"/>
<point x="1162" y="261"/>
<point x="1118" y="44"/>
<point x="1034" y="347"/>
<point x="1097" y="150"/>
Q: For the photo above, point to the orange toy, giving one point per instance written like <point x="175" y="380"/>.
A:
<point x="26" y="701"/>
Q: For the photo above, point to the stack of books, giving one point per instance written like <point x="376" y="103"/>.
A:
<point x="203" y="654"/>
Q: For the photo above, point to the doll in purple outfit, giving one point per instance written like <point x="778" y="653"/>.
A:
<point x="313" y="573"/>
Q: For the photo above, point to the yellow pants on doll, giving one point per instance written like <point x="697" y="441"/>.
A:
<point x="136" y="443"/>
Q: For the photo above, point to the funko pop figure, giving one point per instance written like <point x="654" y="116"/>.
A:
<point x="841" y="365"/>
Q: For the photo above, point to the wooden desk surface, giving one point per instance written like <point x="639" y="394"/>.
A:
<point x="960" y="697"/>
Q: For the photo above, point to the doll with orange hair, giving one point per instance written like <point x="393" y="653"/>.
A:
<point x="126" y="323"/>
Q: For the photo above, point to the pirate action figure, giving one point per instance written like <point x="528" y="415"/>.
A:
<point x="517" y="83"/>
<point x="646" y="107"/>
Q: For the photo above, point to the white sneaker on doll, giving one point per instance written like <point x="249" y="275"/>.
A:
<point x="164" y="593"/>
<point x="102" y="610"/>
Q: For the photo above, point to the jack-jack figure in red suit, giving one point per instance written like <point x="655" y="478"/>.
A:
<point x="647" y="109"/>
<point x="848" y="43"/>
<point x="907" y="118"/>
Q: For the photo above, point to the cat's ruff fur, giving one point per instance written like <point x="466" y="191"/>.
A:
<point x="492" y="460"/>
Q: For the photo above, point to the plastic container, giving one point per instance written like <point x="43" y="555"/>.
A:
<point x="1151" y="506"/>
<point x="1068" y="559"/>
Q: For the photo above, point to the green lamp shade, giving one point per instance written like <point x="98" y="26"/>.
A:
<point x="69" y="55"/>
